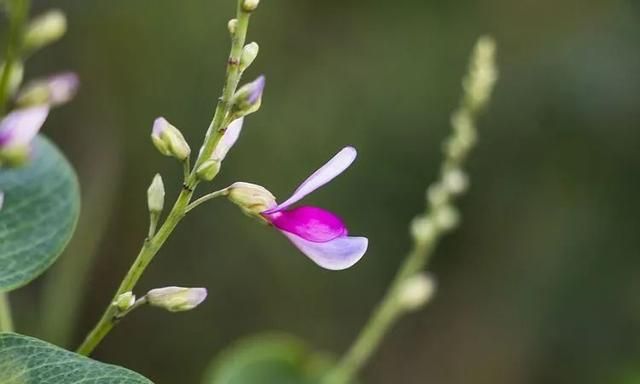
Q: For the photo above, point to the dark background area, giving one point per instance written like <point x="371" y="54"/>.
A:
<point x="539" y="285"/>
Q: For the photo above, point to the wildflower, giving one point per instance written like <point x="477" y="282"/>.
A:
<point x="17" y="130"/>
<point x="318" y="233"/>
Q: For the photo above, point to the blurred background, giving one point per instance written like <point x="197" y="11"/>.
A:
<point x="539" y="285"/>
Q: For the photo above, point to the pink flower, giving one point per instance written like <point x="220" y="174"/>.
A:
<point x="318" y="233"/>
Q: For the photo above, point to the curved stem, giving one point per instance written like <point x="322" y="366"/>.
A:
<point x="207" y="197"/>
<point x="6" y="321"/>
<point x="151" y="246"/>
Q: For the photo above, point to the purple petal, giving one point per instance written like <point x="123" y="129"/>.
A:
<point x="256" y="89"/>
<point x="311" y="223"/>
<point x="63" y="87"/>
<point x="19" y="127"/>
<point x="228" y="139"/>
<point x="338" y="164"/>
<point x="339" y="253"/>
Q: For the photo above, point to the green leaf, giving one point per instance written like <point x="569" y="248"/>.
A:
<point x="41" y="207"/>
<point x="25" y="360"/>
<point x="268" y="359"/>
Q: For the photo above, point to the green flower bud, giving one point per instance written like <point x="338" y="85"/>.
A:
<point x="155" y="195"/>
<point x="45" y="29"/>
<point x="208" y="170"/>
<point x="251" y="198"/>
<point x="249" y="54"/>
<point x="416" y="291"/>
<point x="176" y="299"/>
<point x="232" y="25"/>
<point x="250" y="5"/>
<point x="169" y="140"/>
<point x="124" y="301"/>
<point x="248" y="98"/>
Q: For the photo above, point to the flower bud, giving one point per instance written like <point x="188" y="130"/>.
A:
<point x="251" y="198"/>
<point x="227" y="141"/>
<point x="45" y="29"/>
<point x="208" y="170"/>
<point x="423" y="229"/>
<point x="155" y="195"/>
<point x="55" y="90"/>
<point x="124" y="301"/>
<point x="250" y="5"/>
<point x="446" y="217"/>
<point x="17" y="130"/>
<point x="176" y="299"/>
<point x="416" y="291"/>
<point x="455" y="181"/>
<point x="169" y="140"/>
<point x="232" y="25"/>
<point x="249" y="54"/>
<point x="248" y="98"/>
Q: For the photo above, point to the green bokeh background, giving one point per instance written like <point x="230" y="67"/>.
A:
<point x="539" y="285"/>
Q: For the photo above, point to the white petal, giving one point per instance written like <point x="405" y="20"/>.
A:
<point x="337" y="254"/>
<point x="228" y="139"/>
<point x="338" y="164"/>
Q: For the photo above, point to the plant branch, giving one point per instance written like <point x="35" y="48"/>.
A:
<point x="6" y="321"/>
<point x="19" y="9"/>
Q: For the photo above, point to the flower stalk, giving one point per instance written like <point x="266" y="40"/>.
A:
<point x="18" y="11"/>
<point x="439" y="218"/>
<point x="6" y="320"/>
<point x="215" y="132"/>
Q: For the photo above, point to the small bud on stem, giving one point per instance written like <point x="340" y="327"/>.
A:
<point x="169" y="140"/>
<point x="45" y="29"/>
<point x="176" y="299"/>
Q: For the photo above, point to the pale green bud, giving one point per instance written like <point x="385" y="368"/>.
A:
<point x="232" y="25"/>
<point x="416" y="291"/>
<point x="455" y="181"/>
<point x="155" y="195"/>
<point x="176" y="299"/>
<point x="45" y="29"/>
<point x="124" y="301"/>
<point x="250" y="5"/>
<point x="248" y="98"/>
<point x="251" y="198"/>
<point x="422" y="229"/>
<point x="208" y="170"/>
<point x="437" y="195"/>
<point x="446" y="217"/>
<point x="169" y="140"/>
<point x="249" y="54"/>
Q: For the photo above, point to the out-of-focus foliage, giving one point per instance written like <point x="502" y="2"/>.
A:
<point x="538" y="285"/>
<point x="38" y="216"/>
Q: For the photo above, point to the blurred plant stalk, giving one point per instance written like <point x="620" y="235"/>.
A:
<point x="17" y="11"/>
<point x="238" y="30"/>
<point x="411" y="289"/>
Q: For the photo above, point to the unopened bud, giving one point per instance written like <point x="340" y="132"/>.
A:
<point x="55" y="90"/>
<point x="45" y="29"/>
<point x="227" y="141"/>
<point x="248" y="98"/>
<point x="446" y="217"/>
<point x="155" y="195"/>
<point x="423" y="229"/>
<point x="455" y="181"/>
<point x="249" y="54"/>
<point x="437" y="195"/>
<point x="169" y="140"/>
<point x="250" y="5"/>
<point x="124" y="301"/>
<point x="232" y="25"/>
<point x="208" y="170"/>
<point x="251" y="198"/>
<point x="17" y="130"/>
<point x="176" y="299"/>
<point x="416" y="291"/>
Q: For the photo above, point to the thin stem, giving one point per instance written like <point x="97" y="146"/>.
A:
<point x="440" y="217"/>
<point x="19" y="10"/>
<point x="207" y="197"/>
<point x="151" y="246"/>
<point x="6" y="320"/>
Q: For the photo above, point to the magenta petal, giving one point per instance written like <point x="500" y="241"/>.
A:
<point x="311" y="223"/>
<point x="338" y="164"/>
<point x="339" y="253"/>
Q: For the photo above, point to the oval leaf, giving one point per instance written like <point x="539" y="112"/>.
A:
<point x="25" y="360"/>
<point x="41" y="207"/>
<point x="268" y="359"/>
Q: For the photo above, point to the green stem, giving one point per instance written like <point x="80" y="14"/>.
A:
<point x="207" y="197"/>
<point x="6" y="321"/>
<point x="19" y="10"/>
<point x="153" y="245"/>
